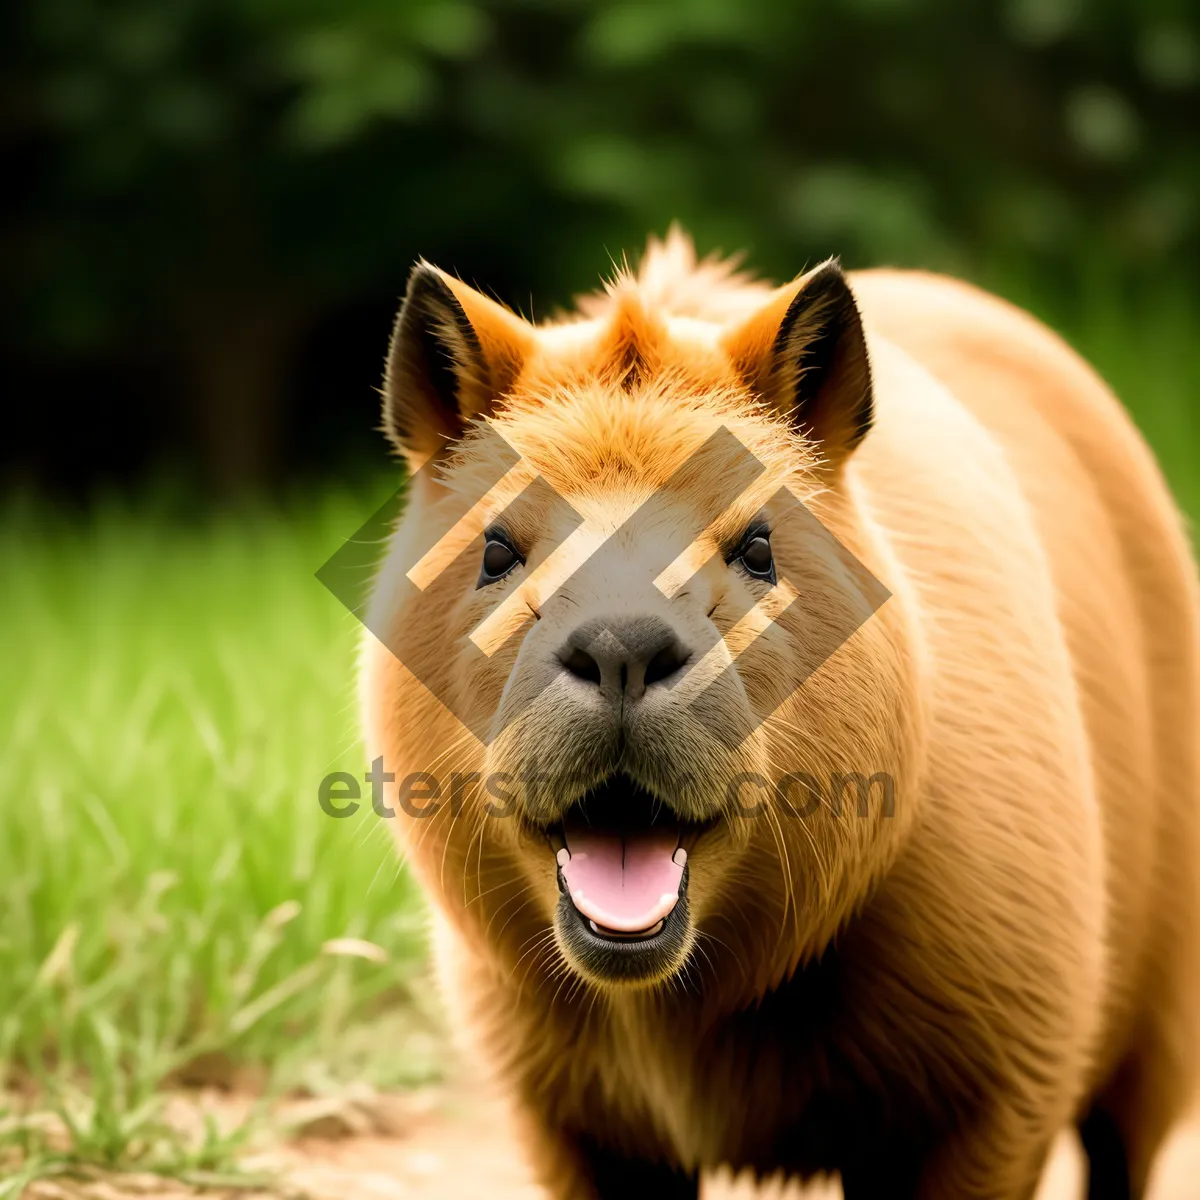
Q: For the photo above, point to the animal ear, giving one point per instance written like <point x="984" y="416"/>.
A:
<point x="804" y="352"/>
<point x="453" y="353"/>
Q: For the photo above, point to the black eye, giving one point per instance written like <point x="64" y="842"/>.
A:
<point x="755" y="555"/>
<point x="498" y="559"/>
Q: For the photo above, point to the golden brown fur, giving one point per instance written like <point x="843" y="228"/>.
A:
<point x="921" y="1001"/>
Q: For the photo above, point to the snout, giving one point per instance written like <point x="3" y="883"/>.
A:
<point x="620" y="741"/>
<point x="632" y="692"/>
<point x="624" y="656"/>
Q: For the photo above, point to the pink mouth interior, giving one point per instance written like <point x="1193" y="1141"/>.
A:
<point x="626" y="882"/>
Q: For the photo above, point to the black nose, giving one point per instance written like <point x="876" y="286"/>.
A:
<point x="624" y="655"/>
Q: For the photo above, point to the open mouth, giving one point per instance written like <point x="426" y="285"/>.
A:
<point x="624" y="883"/>
<point x="622" y="860"/>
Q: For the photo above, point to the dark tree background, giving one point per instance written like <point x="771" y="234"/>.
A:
<point x="211" y="205"/>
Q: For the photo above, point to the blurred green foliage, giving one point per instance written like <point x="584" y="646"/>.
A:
<point x="214" y="178"/>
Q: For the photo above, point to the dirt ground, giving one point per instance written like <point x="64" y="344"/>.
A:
<point x="463" y="1152"/>
<point x="452" y="1142"/>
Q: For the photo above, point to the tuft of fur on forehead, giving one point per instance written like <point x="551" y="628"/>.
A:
<point x="671" y="280"/>
<point x="624" y="389"/>
<point x="595" y="437"/>
<point x="663" y="319"/>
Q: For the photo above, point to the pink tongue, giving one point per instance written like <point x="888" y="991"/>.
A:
<point x="623" y="883"/>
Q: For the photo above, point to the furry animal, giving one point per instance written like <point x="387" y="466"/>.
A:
<point x="620" y="670"/>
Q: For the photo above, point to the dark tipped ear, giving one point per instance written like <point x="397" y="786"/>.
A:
<point x="805" y="353"/>
<point x="453" y="353"/>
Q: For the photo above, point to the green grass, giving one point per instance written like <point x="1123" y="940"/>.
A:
<point x="84" y="1135"/>
<point x="174" y="695"/>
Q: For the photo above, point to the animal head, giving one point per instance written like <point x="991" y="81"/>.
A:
<point x="640" y="637"/>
